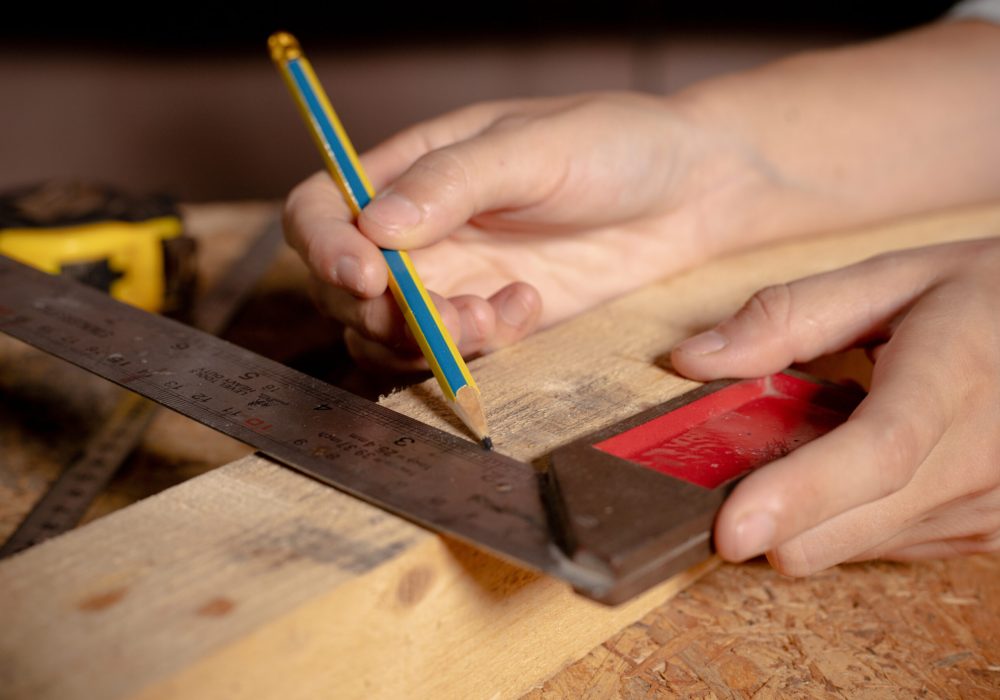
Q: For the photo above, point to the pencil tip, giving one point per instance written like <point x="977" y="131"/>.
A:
<point x="470" y="410"/>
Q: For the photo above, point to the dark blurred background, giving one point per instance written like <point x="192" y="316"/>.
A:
<point x="182" y="98"/>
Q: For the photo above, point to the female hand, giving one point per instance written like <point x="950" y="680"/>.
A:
<point x="915" y="472"/>
<point x="521" y="213"/>
<point x="518" y="214"/>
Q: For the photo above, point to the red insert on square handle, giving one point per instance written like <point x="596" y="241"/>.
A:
<point x="724" y="435"/>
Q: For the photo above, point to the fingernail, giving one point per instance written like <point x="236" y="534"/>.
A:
<point x="514" y="310"/>
<point x="754" y="535"/>
<point x="349" y="274"/>
<point x="393" y="211"/>
<point x="704" y="343"/>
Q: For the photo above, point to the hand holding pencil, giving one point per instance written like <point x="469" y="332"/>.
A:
<point x="502" y="205"/>
<point x="342" y="162"/>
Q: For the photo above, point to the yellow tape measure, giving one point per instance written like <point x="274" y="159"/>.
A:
<point x="133" y="248"/>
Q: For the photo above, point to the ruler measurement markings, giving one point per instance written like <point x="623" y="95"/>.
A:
<point x="426" y="475"/>
<point x="272" y="373"/>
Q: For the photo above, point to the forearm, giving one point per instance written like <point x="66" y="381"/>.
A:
<point x="849" y="136"/>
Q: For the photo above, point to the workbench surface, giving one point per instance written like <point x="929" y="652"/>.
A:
<point x="874" y="629"/>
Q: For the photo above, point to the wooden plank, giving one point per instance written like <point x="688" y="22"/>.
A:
<point x="253" y="581"/>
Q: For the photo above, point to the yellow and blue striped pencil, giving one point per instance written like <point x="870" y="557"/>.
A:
<point x="342" y="161"/>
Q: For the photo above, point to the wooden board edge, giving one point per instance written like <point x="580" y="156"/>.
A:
<point x="443" y="620"/>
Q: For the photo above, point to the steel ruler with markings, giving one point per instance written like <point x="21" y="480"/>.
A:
<point x="67" y="499"/>
<point x="606" y="517"/>
<point x="428" y="476"/>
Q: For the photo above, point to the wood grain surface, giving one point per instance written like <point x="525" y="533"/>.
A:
<point x="252" y="581"/>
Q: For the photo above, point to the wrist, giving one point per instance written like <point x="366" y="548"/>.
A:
<point x="839" y="138"/>
<point x="738" y="193"/>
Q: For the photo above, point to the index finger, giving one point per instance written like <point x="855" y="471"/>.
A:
<point x="390" y="158"/>
<point x="317" y="224"/>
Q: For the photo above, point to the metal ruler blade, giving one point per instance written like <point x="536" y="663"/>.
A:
<point x="67" y="499"/>
<point x="443" y="482"/>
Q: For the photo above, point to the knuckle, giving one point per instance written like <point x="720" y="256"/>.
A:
<point x="311" y="251"/>
<point x="895" y="448"/>
<point x="369" y="320"/>
<point x="883" y="263"/>
<point x="986" y="531"/>
<point x="512" y="121"/>
<point x="375" y="320"/>
<point x="897" y="264"/>
<point x="772" y="305"/>
<point x="449" y="171"/>
<point x="302" y="219"/>
<point x="481" y="113"/>
<point x="290" y="216"/>
<point x="330" y="302"/>
<point x="300" y="199"/>
<point x="791" y="559"/>
<point x="985" y="542"/>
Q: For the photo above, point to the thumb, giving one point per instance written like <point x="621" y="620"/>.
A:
<point x="446" y="187"/>
<point x="802" y="320"/>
